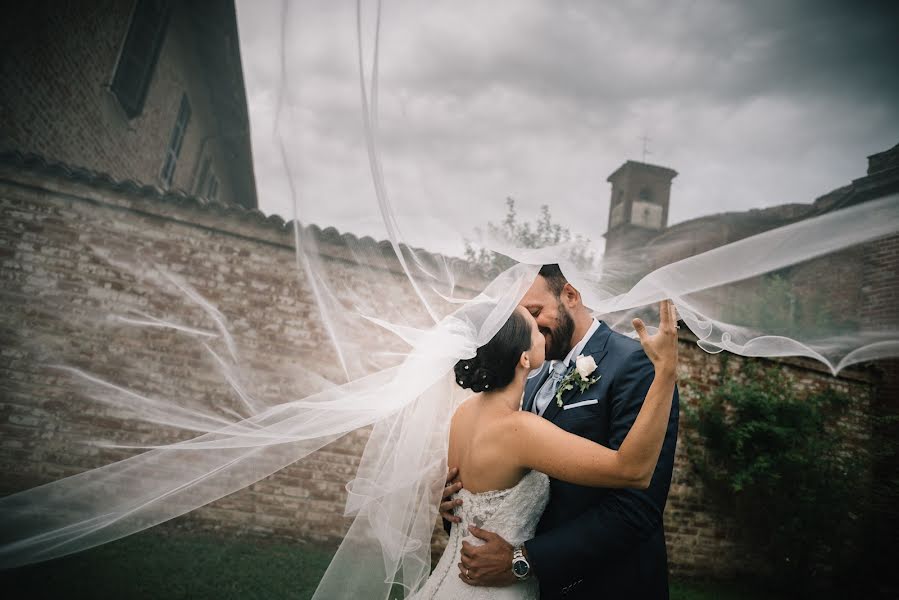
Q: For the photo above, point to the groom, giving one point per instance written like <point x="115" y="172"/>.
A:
<point x="590" y="542"/>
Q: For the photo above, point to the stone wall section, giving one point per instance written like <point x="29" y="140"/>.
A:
<point x="73" y="257"/>
<point x="72" y="254"/>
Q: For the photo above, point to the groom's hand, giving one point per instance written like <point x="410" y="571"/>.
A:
<point x="489" y="564"/>
<point x="448" y="504"/>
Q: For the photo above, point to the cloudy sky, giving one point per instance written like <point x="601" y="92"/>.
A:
<point x="753" y="103"/>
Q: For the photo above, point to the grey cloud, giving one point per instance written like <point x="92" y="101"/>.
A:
<point x="753" y="103"/>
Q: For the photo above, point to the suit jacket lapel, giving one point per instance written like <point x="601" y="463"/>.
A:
<point x="595" y="347"/>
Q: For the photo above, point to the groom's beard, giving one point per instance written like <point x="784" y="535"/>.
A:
<point x="559" y="341"/>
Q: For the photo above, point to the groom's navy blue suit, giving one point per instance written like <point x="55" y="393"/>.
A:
<point x="598" y="542"/>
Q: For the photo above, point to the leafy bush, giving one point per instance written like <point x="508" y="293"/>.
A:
<point x="791" y="469"/>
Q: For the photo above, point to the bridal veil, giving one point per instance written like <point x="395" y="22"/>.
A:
<point x="766" y="294"/>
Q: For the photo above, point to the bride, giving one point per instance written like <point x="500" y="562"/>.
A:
<point x="506" y="455"/>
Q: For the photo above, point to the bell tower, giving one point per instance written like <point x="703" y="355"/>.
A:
<point x="638" y="210"/>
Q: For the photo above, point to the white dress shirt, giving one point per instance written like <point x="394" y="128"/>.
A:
<point x="541" y="401"/>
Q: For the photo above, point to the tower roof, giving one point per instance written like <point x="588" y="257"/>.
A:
<point x="645" y="167"/>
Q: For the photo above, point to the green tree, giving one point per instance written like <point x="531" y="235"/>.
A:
<point x="543" y="232"/>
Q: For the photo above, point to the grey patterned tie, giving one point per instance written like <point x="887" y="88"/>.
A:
<point x="546" y="393"/>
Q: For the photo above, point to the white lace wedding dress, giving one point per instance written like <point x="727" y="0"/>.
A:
<point x="511" y="513"/>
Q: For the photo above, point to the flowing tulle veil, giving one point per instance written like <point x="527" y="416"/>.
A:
<point x="444" y="310"/>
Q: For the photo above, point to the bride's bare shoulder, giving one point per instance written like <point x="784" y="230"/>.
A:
<point x="467" y="403"/>
<point x="464" y="408"/>
<point x="526" y="416"/>
<point x="523" y="420"/>
<point x="523" y="425"/>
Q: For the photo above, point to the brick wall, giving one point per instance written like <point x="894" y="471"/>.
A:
<point x="72" y="256"/>
<point x="880" y="289"/>
<point x="71" y="253"/>
<point x="55" y="99"/>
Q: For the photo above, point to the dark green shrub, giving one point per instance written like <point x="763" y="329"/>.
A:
<point x="794" y="469"/>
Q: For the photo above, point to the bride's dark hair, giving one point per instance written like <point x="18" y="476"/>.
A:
<point x="493" y="367"/>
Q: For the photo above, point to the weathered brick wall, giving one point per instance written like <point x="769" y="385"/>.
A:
<point x="880" y="289"/>
<point x="71" y="256"/>
<point x="880" y="283"/>
<point x="55" y="98"/>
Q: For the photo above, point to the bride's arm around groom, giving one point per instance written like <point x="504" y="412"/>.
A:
<point x="616" y="542"/>
<point x="593" y="541"/>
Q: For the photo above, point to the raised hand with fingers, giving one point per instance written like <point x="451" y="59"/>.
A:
<point x="661" y="348"/>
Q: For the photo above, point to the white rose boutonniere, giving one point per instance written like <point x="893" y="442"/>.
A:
<point x="580" y="377"/>
<point x="585" y="366"/>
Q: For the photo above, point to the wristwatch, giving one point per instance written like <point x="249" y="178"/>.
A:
<point x="521" y="568"/>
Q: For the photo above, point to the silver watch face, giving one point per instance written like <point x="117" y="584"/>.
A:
<point x="520" y="568"/>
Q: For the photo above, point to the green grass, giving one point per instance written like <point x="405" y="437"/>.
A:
<point x="156" y="566"/>
<point x="715" y="590"/>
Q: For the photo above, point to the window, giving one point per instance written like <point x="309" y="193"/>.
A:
<point x="139" y="54"/>
<point x="175" y="141"/>
<point x="212" y="189"/>
<point x="645" y="193"/>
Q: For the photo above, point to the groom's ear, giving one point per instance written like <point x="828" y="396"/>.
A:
<point x="570" y="296"/>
